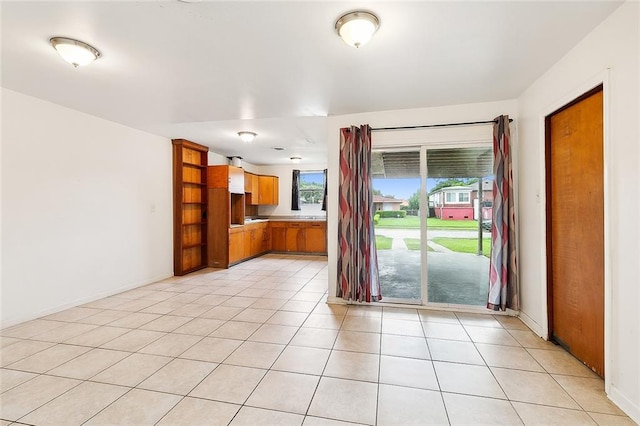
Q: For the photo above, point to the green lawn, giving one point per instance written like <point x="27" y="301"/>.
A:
<point x="383" y="243"/>
<point x="413" y="222"/>
<point x="414" y="244"/>
<point x="465" y="245"/>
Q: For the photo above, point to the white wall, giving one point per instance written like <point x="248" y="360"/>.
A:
<point x="610" y="55"/>
<point x="410" y="117"/>
<point x="284" y="174"/>
<point x="86" y="208"/>
<point x="215" y="159"/>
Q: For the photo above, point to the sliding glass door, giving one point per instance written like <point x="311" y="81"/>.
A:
<point x="460" y="189"/>
<point x="432" y="223"/>
<point x="396" y="183"/>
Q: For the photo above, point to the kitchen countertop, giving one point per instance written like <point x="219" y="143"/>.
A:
<point x="287" y="219"/>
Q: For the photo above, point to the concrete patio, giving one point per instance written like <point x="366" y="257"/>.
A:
<point x="454" y="278"/>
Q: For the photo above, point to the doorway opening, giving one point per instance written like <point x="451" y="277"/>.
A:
<point x="432" y="223"/>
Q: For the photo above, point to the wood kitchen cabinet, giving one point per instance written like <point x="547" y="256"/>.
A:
<point x="278" y="236"/>
<point x="268" y="190"/>
<point x="316" y="237"/>
<point x="226" y="207"/>
<point x="236" y="245"/>
<point x="295" y="238"/>
<point x="256" y="239"/>
<point x="226" y="177"/>
<point x="189" y="206"/>
<point x="252" y="188"/>
<point x="299" y="237"/>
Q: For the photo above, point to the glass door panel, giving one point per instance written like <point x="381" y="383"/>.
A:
<point x="396" y="183"/>
<point x="460" y="195"/>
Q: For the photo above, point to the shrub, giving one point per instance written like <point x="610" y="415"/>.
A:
<point x="376" y="219"/>
<point x="392" y="213"/>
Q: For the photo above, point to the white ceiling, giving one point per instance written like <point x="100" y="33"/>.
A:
<point x="205" y="70"/>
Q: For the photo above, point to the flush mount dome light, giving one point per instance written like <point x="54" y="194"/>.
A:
<point x="295" y="160"/>
<point x="356" y="28"/>
<point x="247" y="137"/>
<point x="76" y="52"/>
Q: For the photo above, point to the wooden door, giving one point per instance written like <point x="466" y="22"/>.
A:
<point x="575" y="228"/>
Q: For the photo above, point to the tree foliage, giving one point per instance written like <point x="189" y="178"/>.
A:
<point x="414" y="201"/>
<point x="445" y="183"/>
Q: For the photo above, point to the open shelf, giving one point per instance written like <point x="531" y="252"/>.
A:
<point x="189" y="217"/>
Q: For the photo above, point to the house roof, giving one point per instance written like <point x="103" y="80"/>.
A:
<point x="381" y="199"/>
<point x="204" y="70"/>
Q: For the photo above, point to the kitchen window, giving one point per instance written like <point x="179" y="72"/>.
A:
<point x="311" y="192"/>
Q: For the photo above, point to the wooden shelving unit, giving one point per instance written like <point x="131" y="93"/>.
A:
<point x="189" y="206"/>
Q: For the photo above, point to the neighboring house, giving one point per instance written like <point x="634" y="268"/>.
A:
<point x="452" y="202"/>
<point x="461" y="202"/>
<point x="487" y="199"/>
<point x="386" y="203"/>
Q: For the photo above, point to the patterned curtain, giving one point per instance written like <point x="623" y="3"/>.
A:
<point x="357" y="257"/>
<point x="503" y="273"/>
<point x="295" y="190"/>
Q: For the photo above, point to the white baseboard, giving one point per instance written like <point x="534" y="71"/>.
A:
<point x="10" y="322"/>
<point x="630" y="408"/>
<point x="533" y="325"/>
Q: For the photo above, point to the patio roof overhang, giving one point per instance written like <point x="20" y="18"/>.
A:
<point x="441" y="163"/>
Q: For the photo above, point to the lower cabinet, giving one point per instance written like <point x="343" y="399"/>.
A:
<point x="299" y="237"/>
<point x="236" y="245"/>
<point x="255" y="239"/>
<point x="278" y="236"/>
<point x="316" y="238"/>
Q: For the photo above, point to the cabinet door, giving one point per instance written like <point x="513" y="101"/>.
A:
<point x="248" y="188"/>
<point x="278" y="239"/>
<point x="266" y="240"/>
<point x="236" y="247"/>
<point x="255" y="188"/>
<point x="295" y="238"/>
<point x="248" y="242"/>
<point x="316" y="239"/>
<point x="236" y="180"/>
<point x="265" y="191"/>
<point x="256" y="242"/>
<point x="276" y="191"/>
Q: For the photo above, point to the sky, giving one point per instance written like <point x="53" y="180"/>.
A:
<point x="401" y="188"/>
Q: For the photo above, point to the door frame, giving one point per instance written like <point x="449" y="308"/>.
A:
<point x="603" y="79"/>
<point x="423" y="145"/>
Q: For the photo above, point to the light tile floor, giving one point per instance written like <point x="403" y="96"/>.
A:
<point x="257" y="344"/>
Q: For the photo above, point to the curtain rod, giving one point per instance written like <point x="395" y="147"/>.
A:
<point x="468" y="123"/>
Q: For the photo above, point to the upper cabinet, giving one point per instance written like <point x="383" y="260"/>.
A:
<point x="268" y="190"/>
<point x="252" y="188"/>
<point x="226" y="177"/>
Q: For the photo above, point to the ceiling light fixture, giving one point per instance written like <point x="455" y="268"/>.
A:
<point x="356" y="28"/>
<point x="247" y="137"/>
<point x="296" y="160"/>
<point x="76" y="52"/>
<point x="279" y="148"/>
